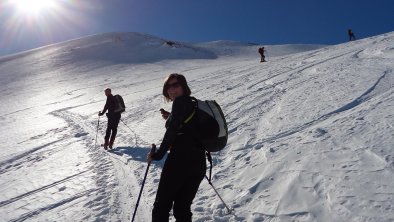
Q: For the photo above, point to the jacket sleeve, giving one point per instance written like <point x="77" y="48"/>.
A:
<point x="176" y="119"/>
<point x="106" y="106"/>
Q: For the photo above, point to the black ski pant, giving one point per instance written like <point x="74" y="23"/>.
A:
<point x="177" y="188"/>
<point x="112" y="126"/>
<point x="262" y="58"/>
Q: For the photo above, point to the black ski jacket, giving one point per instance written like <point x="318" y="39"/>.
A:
<point x="179" y="137"/>
<point x="109" y="104"/>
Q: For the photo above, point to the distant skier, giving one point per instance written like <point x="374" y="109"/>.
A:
<point x="261" y="51"/>
<point x="113" y="119"/>
<point x="351" y="35"/>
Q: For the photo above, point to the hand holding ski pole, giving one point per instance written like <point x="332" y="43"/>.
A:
<point x="152" y="151"/>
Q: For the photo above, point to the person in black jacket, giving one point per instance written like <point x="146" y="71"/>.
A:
<point x="351" y="35"/>
<point x="113" y="119"/>
<point x="185" y="166"/>
<point x="262" y="51"/>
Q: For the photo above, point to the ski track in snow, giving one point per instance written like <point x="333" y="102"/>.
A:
<point x="119" y="170"/>
<point x="356" y="102"/>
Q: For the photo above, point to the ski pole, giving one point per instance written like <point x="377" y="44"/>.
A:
<point x="126" y="125"/>
<point x="135" y="135"/>
<point x="98" y="122"/>
<point x="228" y="209"/>
<point x="143" y="183"/>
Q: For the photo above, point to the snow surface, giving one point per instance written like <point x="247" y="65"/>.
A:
<point x="311" y="131"/>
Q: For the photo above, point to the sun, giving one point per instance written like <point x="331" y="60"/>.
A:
<point x="31" y="7"/>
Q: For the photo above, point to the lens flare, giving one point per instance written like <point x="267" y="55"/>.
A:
<point x="26" y="23"/>
<point x="34" y="6"/>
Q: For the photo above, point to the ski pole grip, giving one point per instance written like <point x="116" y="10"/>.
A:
<point x="152" y="151"/>
<point x="153" y="148"/>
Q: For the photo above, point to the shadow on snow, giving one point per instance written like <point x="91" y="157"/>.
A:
<point x="135" y="154"/>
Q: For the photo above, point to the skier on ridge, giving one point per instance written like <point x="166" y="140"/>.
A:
<point x="261" y="51"/>
<point x="351" y="35"/>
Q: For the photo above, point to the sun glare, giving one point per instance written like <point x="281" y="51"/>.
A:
<point x="45" y="20"/>
<point x="33" y="6"/>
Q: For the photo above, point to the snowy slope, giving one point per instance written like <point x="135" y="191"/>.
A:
<point x="311" y="133"/>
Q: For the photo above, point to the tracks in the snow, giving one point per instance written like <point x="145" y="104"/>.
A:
<point x="125" y="188"/>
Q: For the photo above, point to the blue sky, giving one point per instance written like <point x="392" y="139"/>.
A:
<point x="258" y="21"/>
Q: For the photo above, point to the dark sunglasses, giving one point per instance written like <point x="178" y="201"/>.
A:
<point x="173" y="85"/>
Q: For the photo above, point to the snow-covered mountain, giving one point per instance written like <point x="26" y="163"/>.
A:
<point x="311" y="131"/>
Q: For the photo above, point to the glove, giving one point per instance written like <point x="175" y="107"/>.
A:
<point x="164" y="114"/>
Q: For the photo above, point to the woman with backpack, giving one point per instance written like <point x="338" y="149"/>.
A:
<point x="185" y="166"/>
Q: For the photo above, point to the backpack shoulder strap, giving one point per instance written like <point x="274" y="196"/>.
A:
<point x="193" y="113"/>
<point x="190" y="117"/>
